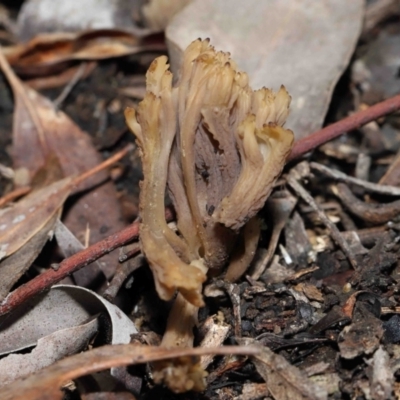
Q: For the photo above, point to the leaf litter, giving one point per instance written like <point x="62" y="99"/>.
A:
<point x="305" y="304"/>
<point x="44" y="54"/>
<point x="48" y="349"/>
<point x="31" y="211"/>
<point x="15" y="265"/>
<point x="44" y="131"/>
<point x="284" y="381"/>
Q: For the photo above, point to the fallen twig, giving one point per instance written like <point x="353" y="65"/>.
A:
<point x="123" y="271"/>
<point x="376" y="213"/>
<point x="80" y="72"/>
<point x="14" y="195"/>
<point x="105" y="164"/>
<point x="369" y="186"/>
<point x="67" y="267"/>
<point x="293" y="179"/>
<point x="345" y="125"/>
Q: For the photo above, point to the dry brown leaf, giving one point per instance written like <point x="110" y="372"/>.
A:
<point x="43" y="315"/>
<point x="99" y="210"/>
<point x="40" y="131"/>
<point x="363" y="336"/>
<point x="51" y="52"/>
<point x="53" y="323"/>
<point x="121" y="327"/>
<point x="311" y="291"/>
<point x="61" y="78"/>
<point x="62" y="307"/>
<point x="49" y="173"/>
<point x="49" y="349"/>
<point x="302" y="44"/>
<point x="46" y="383"/>
<point x="69" y="245"/>
<point x="284" y="381"/>
<point x="22" y="221"/>
<point x="14" y="266"/>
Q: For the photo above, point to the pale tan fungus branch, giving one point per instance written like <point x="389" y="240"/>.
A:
<point x="218" y="147"/>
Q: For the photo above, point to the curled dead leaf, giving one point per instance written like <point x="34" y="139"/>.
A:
<point x="21" y="222"/>
<point x="48" y="53"/>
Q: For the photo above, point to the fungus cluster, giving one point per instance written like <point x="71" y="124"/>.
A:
<point x="216" y="147"/>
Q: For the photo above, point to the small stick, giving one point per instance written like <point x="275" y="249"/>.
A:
<point x="67" y="267"/>
<point x="110" y="161"/>
<point x="293" y="181"/>
<point x="345" y="125"/>
<point x="376" y="213"/>
<point x="123" y="271"/>
<point x="68" y="88"/>
<point x="369" y="186"/>
<point x="133" y="251"/>
<point x="14" y="195"/>
<point x="233" y="291"/>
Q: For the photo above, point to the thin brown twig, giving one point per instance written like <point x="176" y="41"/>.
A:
<point x="14" y="195"/>
<point x="105" y="164"/>
<point x="386" y="190"/>
<point x="71" y="84"/>
<point x="293" y="179"/>
<point x="345" y="125"/>
<point x="68" y="266"/>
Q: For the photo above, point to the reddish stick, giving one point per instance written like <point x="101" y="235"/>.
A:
<point x="345" y="125"/>
<point x="72" y="264"/>
<point x="14" y="195"/>
<point x="68" y="266"/>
